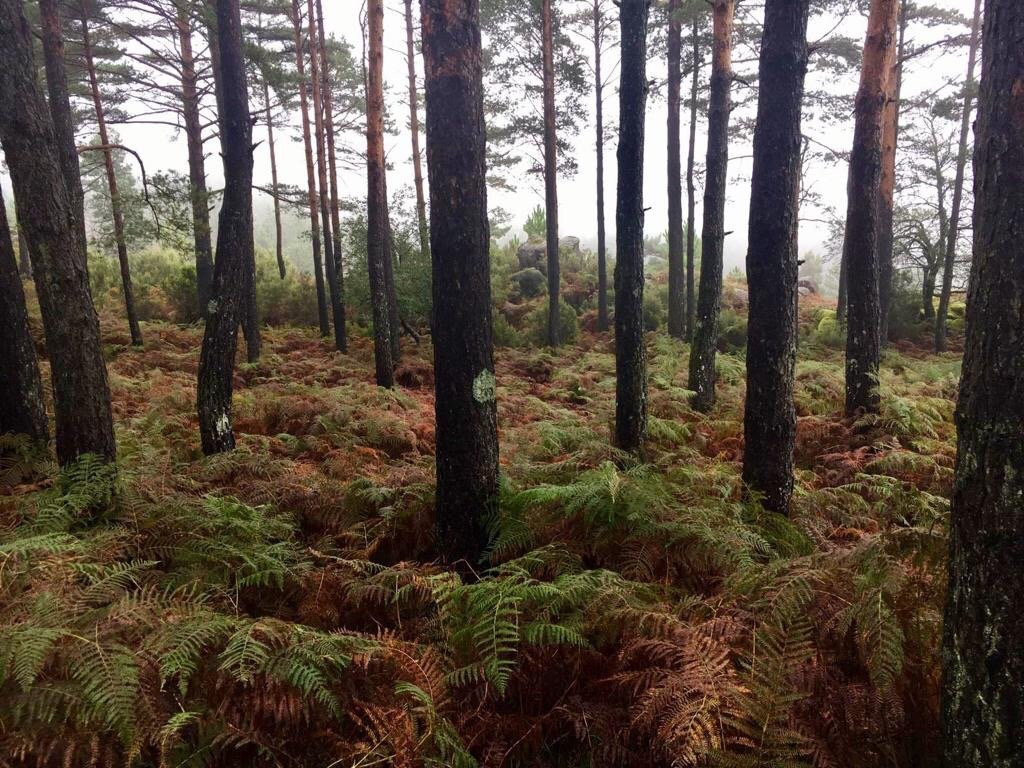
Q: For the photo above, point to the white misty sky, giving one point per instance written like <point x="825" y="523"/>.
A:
<point x="163" y="148"/>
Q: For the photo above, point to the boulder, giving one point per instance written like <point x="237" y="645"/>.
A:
<point x="807" y="284"/>
<point x="533" y="255"/>
<point x="531" y="282"/>
<point x="569" y="245"/>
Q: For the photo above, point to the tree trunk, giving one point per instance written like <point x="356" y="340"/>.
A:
<point x="769" y="423"/>
<point x="115" y="195"/>
<point x="983" y="643"/>
<point x="24" y="262"/>
<point x="318" y="78"/>
<point x="928" y="290"/>
<point x="414" y="129"/>
<point x="465" y="406"/>
<point x="198" y="195"/>
<point x="691" y="194"/>
<point x="890" y="141"/>
<point x="676" y="266"/>
<point x="307" y="141"/>
<point x="47" y="210"/>
<point x="378" y="233"/>
<point x="21" y="388"/>
<point x="841" y="298"/>
<point x="60" y="108"/>
<point x="339" y="268"/>
<point x="630" y="357"/>
<point x="953" y="230"/>
<point x="234" y="240"/>
<point x="702" y="354"/>
<point x="602" y="256"/>
<point x="861" y="244"/>
<point x="250" y="320"/>
<point x="550" y="172"/>
<point x="278" y="234"/>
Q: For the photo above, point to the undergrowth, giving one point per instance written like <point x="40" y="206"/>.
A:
<point x="282" y="605"/>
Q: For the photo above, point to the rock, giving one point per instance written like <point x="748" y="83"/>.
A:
<point x="532" y="282"/>
<point x="569" y="245"/>
<point x="807" y="284"/>
<point x="803" y="290"/>
<point x="533" y="254"/>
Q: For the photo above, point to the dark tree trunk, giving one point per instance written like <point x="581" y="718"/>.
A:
<point x="339" y="268"/>
<point x="378" y="234"/>
<point x="983" y="644"/>
<point x="249" y="320"/>
<point x="769" y="423"/>
<point x="414" y="130"/>
<point x="602" y="254"/>
<point x="278" y="234"/>
<point x="928" y="290"/>
<point x="60" y="108"/>
<point x="115" y="195"/>
<point x="702" y="353"/>
<point x="198" y="195"/>
<point x="860" y="249"/>
<point x="841" y="298"/>
<point x="676" y="266"/>
<point x="691" y="193"/>
<point x="466" y="410"/>
<point x="24" y="262"/>
<point x="953" y="230"/>
<point x="307" y="141"/>
<point x="630" y="356"/>
<point x="21" y="388"/>
<point x="550" y="171"/>
<point x="318" y="78"/>
<point x="47" y="210"/>
<point x="890" y="141"/>
<point x="234" y="240"/>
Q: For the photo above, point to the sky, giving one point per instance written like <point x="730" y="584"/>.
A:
<point x="162" y="148"/>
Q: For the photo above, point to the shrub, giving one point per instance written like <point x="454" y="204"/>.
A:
<point x="537" y="324"/>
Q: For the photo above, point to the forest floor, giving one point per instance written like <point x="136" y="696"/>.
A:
<point x="281" y="605"/>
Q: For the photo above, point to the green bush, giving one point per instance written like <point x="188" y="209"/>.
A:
<point x="537" y="324"/>
<point x="732" y="331"/>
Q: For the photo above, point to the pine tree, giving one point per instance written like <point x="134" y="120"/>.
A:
<point x="630" y="356"/>
<point x="21" y="388"/>
<point x="466" y="409"/>
<point x="676" y="265"/>
<point x="770" y="416"/>
<point x="702" y="353"/>
<point x="414" y="131"/>
<point x="860" y="249"/>
<point x="983" y="644"/>
<point x="235" y="245"/>
<point x="47" y="207"/>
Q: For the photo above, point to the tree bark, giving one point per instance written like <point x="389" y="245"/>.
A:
<point x="60" y="108"/>
<point x="47" y="210"/>
<point x="250" y="320"/>
<point x="339" y="269"/>
<point x="861" y="243"/>
<point x="702" y="353"/>
<point x="953" y="230"/>
<point x="307" y="141"/>
<point x="890" y="141"/>
<point x="318" y="78"/>
<point x="278" y="234"/>
<point x="24" y="262"/>
<point x="928" y="290"/>
<point x="676" y="266"/>
<point x="769" y="423"/>
<point x="378" y="232"/>
<point x="234" y="240"/>
<point x="691" y="194"/>
<point x="550" y="172"/>
<point x="115" y="195"/>
<point x="198" y="194"/>
<point x="21" y="388"/>
<point x="983" y="643"/>
<point x="630" y="356"/>
<point x="602" y="256"/>
<point x="465" y="405"/>
<point x="414" y="130"/>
